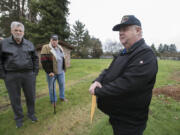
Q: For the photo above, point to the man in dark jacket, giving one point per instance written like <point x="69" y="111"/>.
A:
<point x="124" y="90"/>
<point x="19" y="67"/>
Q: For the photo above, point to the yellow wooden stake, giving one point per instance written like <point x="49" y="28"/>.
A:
<point x="93" y="106"/>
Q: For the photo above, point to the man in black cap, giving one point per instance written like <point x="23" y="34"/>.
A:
<point x="124" y="89"/>
<point x="53" y="62"/>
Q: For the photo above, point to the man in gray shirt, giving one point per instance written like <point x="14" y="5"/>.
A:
<point x="53" y="62"/>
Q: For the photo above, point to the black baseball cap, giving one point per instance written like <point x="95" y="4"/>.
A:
<point x="126" y="21"/>
<point x="54" y="37"/>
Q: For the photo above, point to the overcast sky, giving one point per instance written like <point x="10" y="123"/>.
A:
<point x="160" y="19"/>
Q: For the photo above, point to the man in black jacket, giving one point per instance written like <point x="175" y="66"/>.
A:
<point x="124" y="90"/>
<point x="19" y="67"/>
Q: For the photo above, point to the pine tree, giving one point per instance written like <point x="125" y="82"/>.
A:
<point x="160" y="48"/>
<point x="96" y="48"/>
<point x="79" y="35"/>
<point x="85" y="45"/>
<point x="12" y="10"/>
<point x="154" y="49"/>
<point x="40" y="17"/>
<point x="172" y="48"/>
<point x="51" y="20"/>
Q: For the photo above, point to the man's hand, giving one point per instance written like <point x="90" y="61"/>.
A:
<point x="93" y="87"/>
<point x="51" y="74"/>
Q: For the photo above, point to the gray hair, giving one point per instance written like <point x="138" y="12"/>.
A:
<point x="141" y="33"/>
<point x="17" y="24"/>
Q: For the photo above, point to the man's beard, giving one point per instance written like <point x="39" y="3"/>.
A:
<point x="19" y="37"/>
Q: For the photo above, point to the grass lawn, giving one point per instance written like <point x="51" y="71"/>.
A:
<point x="73" y="117"/>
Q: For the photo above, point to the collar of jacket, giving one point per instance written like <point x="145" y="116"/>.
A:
<point x="133" y="47"/>
<point x="52" y="50"/>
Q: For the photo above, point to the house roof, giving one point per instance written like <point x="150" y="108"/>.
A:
<point x="62" y="43"/>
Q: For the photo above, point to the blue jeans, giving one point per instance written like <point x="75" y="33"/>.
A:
<point x="52" y="81"/>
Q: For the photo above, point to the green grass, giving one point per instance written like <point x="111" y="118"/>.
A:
<point x="166" y="68"/>
<point x="72" y="118"/>
<point x="164" y="118"/>
<point x="77" y="95"/>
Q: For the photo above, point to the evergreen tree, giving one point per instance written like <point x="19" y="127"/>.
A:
<point x="154" y="49"/>
<point x="85" y="45"/>
<point x="12" y="10"/>
<point x="51" y="20"/>
<point x="79" y="35"/>
<point x="160" y="48"/>
<point x="96" y="48"/>
<point x="40" y="17"/>
<point x="166" y="48"/>
<point x="172" y="48"/>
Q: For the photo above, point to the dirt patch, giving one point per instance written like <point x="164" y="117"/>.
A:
<point x="170" y="91"/>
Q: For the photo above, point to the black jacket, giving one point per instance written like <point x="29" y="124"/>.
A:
<point x="127" y="85"/>
<point x="17" y="58"/>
